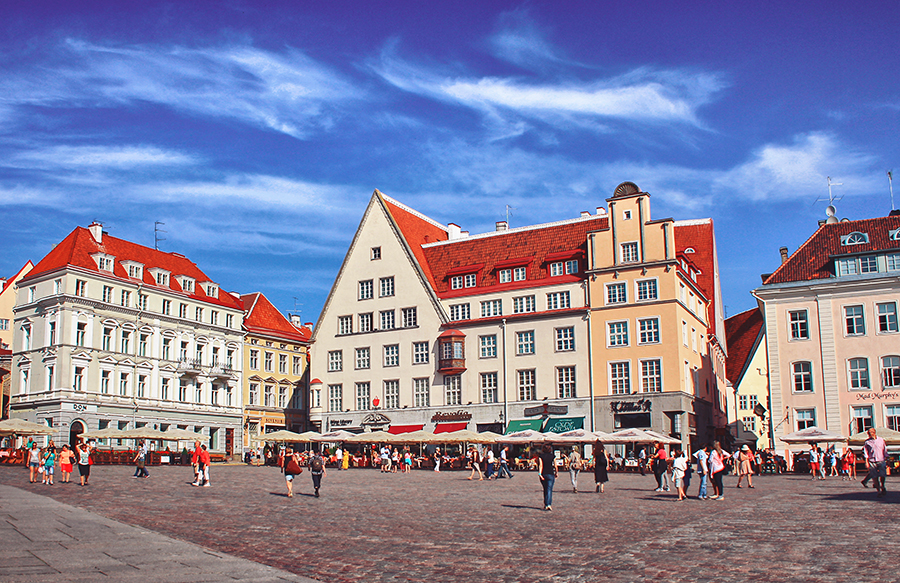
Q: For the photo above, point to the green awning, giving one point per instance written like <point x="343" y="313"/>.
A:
<point x="563" y="424"/>
<point x="523" y="424"/>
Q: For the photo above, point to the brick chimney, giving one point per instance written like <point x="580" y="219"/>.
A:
<point x="784" y="254"/>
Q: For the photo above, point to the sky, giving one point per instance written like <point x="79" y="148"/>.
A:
<point x="256" y="131"/>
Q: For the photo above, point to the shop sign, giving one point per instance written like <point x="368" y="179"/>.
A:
<point x="877" y="396"/>
<point x="546" y="409"/>
<point x="440" y="417"/>
<point x="642" y="406"/>
<point x="340" y="422"/>
<point x="79" y="407"/>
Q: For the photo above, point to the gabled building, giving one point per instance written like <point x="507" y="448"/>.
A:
<point x="658" y="337"/>
<point x="275" y="363"/>
<point x="108" y="333"/>
<point x="747" y="370"/>
<point x="832" y="333"/>
<point x="8" y="302"/>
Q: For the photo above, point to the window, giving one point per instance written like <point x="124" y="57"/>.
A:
<point x="456" y="282"/>
<point x="616" y="293"/>
<point x="296" y="367"/>
<point x="748" y="423"/>
<point x="525" y="342"/>
<point x="104" y="381"/>
<point x="254" y="359"/>
<point x="799" y="325"/>
<point x="80" y="288"/>
<point x="362" y="358"/>
<point x="392" y="355"/>
<point x="268" y="361"/>
<point x="887" y="317"/>
<point x="558" y="268"/>
<point x="268" y="396"/>
<point x="565" y="382"/>
<point x="214" y="317"/>
<point x="488" y="387"/>
<point x="167" y="349"/>
<point x="198" y="355"/>
<point x="187" y="285"/>
<point x="453" y="390"/>
<point x="106" y="340"/>
<point x="618" y="334"/>
<point x="123" y="384"/>
<point x="743" y="400"/>
<point x="126" y="341"/>
<point x="894" y="235"/>
<point x="345" y="324"/>
<point x="565" y="339"/>
<point x="182" y="310"/>
<point x="684" y="333"/>
<point x="868" y="264"/>
<point x="855" y="238"/>
<point x="254" y="394"/>
<point x="387" y="320"/>
<point x="198" y="314"/>
<point x="572" y="266"/>
<point x="50" y="369"/>
<point x="802" y="372"/>
<point x="629" y="252"/>
<point x="105" y="263"/>
<point x="558" y="300"/>
<point x="853" y="316"/>
<point x="651" y="376"/>
<point x="164" y="389"/>
<point x="214" y="394"/>
<point x="162" y="278"/>
<point x="646" y="290"/>
<point x="363" y="399"/>
<point x="335" y="361"/>
<point x="847" y="266"/>
<point x="649" y="330"/>
<point x="365" y="289"/>
<point x="142" y="302"/>
<point x="376" y="253"/>
<point x="57" y="286"/>
<point x="471" y="280"/>
<point x="420" y="352"/>
<point x="526" y="385"/>
<point x="80" y="333"/>
<point x="505" y="275"/>
<point x="892" y="261"/>
<point x="806" y="418"/>
<point x="386" y="287"/>
<point x="142" y="385"/>
<point x="392" y="394"/>
<point x="862" y="418"/>
<point x="167" y="307"/>
<point x="491" y="308"/>
<point x="229" y="320"/>
<point x="365" y="322"/>
<point x="78" y="379"/>
<point x="754" y="400"/>
<point x="523" y="305"/>
<point x="282" y="363"/>
<point x="488" y="346"/>
<point x="409" y="317"/>
<point x="859" y="373"/>
<point x="890" y="372"/>
<point x="519" y="274"/>
<point x="459" y="312"/>
<point x="52" y="335"/>
<point x="892" y="417"/>
<point x="4" y="323"/>
<point x="107" y="294"/>
<point x="694" y="339"/>
<point x="420" y="393"/>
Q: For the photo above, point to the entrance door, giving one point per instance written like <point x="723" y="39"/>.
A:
<point x="75" y="433"/>
<point x="229" y="441"/>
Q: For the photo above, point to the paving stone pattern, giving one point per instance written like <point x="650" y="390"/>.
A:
<point x="440" y="527"/>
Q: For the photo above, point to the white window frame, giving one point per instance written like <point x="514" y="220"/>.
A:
<point x="420" y="352"/>
<point x="525" y="343"/>
<point x="621" y="297"/>
<point x="629" y="252"/>
<point x="887" y="321"/>
<point x="642" y="332"/>
<point x="637" y="289"/>
<point x="619" y="383"/>
<point x="391" y="355"/>
<point x="644" y="376"/>
<point x="617" y="330"/>
<point x="363" y="358"/>
<point x="487" y="346"/>
<point x="858" y="376"/>
<point x="565" y="338"/>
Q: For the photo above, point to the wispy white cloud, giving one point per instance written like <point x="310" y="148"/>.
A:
<point x="519" y="40"/>
<point x="286" y="92"/>
<point x="94" y="157"/>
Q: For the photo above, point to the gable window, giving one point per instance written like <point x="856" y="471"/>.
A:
<point x="526" y="385"/>
<point x="855" y="238"/>
<point x="162" y="278"/>
<point x="525" y="342"/>
<point x="557" y="269"/>
<point x="135" y="271"/>
<point x="646" y="290"/>
<point x="335" y="361"/>
<point x="630" y="252"/>
<point x="365" y="289"/>
<point x="491" y="308"/>
<point x="572" y="266"/>
<point x="565" y="339"/>
<point x="460" y="312"/>
<point x="187" y="284"/>
<point x="859" y="373"/>
<point x="616" y="293"/>
<point x="890" y="372"/>
<point x="488" y="346"/>
<point x="802" y="373"/>
<point x="386" y="286"/>
<point x="558" y="300"/>
<point x="456" y="282"/>
<point x="212" y="290"/>
<point x="505" y="275"/>
<point x="618" y="334"/>
<point x="409" y="317"/>
<point x="345" y="324"/>
<point x="376" y="253"/>
<point x="887" y="317"/>
<point x="853" y="317"/>
<point x="523" y="305"/>
<point x="799" y="325"/>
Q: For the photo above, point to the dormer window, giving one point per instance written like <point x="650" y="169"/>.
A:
<point x="456" y="282"/>
<point x="519" y="274"/>
<point x="160" y="276"/>
<point x="211" y="289"/>
<point x="855" y="238"/>
<point x="104" y="262"/>
<point x="187" y="283"/>
<point x="894" y="235"/>
<point x="135" y="270"/>
<point x="689" y="250"/>
<point x="471" y="280"/>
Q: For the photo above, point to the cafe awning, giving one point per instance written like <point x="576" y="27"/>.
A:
<point x="448" y="427"/>
<point x="523" y="424"/>
<point x="563" y="424"/>
<point x="398" y="429"/>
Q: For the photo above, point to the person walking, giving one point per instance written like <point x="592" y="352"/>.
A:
<point x="317" y="471"/>
<point x="140" y="460"/>
<point x="490" y="464"/>
<point x="66" y="459"/>
<point x="195" y="464"/>
<point x="642" y="460"/>
<point x="575" y="465"/>
<point x="504" y="463"/>
<point x="34" y="463"/>
<point x="476" y="459"/>
<point x="875" y="451"/>
<point x="547" y="473"/>
<point x="702" y="458"/>
<point x="717" y="459"/>
<point x="679" y="468"/>
<point x="291" y="466"/>
<point x="345" y="460"/>
<point x="84" y="462"/>
<point x="849" y="462"/>
<point x="745" y="466"/>
<point x="661" y="468"/>
<point x="601" y="466"/>
<point x="203" y="474"/>
<point x="49" y="463"/>
<point x="814" y="461"/>
<point x="437" y="459"/>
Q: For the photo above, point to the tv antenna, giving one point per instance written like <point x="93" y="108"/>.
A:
<point x="156" y="232"/>
<point x="891" y="182"/>
<point x="297" y="305"/>
<point x="508" y="209"/>
<point x="831" y="197"/>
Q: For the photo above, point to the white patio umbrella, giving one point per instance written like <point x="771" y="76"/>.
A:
<point x="812" y="435"/>
<point x="371" y="437"/>
<point x="146" y="433"/>
<point x="21" y="427"/>
<point x="579" y="436"/>
<point x="629" y="436"/>
<point x="420" y="436"/>
<point x="665" y="439"/>
<point x="175" y="434"/>
<point x="889" y="436"/>
<point x="331" y="436"/>
<point x="282" y="435"/>
<point x="108" y="433"/>
<point x="524" y="436"/>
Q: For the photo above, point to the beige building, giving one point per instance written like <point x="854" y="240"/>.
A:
<point x="275" y="364"/>
<point x="658" y="346"/>
<point x="747" y="369"/>
<point x="832" y="331"/>
<point x="8" y="302"/>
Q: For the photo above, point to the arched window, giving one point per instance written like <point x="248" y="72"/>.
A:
<point x="855" y="238"/>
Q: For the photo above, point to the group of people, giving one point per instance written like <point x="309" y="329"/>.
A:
<point x="292" y="464"/>
<point x="42" y="462"/>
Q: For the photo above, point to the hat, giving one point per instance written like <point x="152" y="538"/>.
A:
<point x="745" y="447"/>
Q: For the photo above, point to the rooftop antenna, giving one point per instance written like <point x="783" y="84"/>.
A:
<point x="297" y="305"/>
<point x="156" y="232"/>
<point x="891" y="182"/>
<point x="508" y="209"/>
<point x="831" y="197"/>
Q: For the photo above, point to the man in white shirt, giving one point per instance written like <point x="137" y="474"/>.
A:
<point x="702" y="470"/>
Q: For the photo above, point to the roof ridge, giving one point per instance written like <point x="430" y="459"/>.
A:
<point x="744" y="312"/>
<point x="794" y="254"/>
<point x="693" y="222"/>
<point x="412" y="211"/>
<point x="516" y="230"/>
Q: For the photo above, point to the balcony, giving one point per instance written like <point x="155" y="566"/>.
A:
<point x="220" y="370"/>
<point x="452" y="352"/>
<point x="190" y="366"/>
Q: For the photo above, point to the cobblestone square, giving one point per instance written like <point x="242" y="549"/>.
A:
<point x="428" y="526"/>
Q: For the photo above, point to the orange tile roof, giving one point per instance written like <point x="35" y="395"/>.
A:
<point x="811" y="260"/>
<point x="741" y="333"/>
<point x="699" y="236"/>
<point x="78" y="247"/>
<point x="417" y="231"/>
<point x="264" y="318"/>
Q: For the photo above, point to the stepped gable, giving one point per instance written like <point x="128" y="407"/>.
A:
<point x="417" y="229"/>
<point x="264" y="318"/>
<point x="741" y="333"/>
<point x="531" y="246"/>
<point x="812" y="259"/>
<point x="76" y="250"/>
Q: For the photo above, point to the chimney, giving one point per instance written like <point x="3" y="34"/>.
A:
<point x="453" y="231"/>
<point x="295" y="320"/>
<point x="96" y="230"/>
<point x="585" y="214"/>
<point x="501" y="226"/>
<point x="309" y="325"/>
<point x="784" y="254"/>
<point x="601" y="210"/>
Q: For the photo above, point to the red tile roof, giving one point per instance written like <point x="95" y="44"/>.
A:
<point x="78" y="247"/>
<point x="741" y="333"/>
<point x="699" y="236"/>
<point x="811" y="260"/>
<point x="529" y="246"/>
<point x="264" y="318"/>
<point x="417" y="229"/>
<point x="10" y="281"/>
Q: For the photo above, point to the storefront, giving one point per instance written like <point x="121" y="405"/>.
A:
<point x="676" y="414"/>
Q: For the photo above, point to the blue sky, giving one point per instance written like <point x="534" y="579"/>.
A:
<point x="257" y="131"/>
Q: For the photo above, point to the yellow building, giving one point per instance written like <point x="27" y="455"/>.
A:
<point x="656" y="326"/>
<point x="275" y="364"/>
<point x="7" y="303"/>
<point x="749" y="417"/>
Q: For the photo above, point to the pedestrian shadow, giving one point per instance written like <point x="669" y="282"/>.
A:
<point x="296" y="494"/>
<point x="520" y="507"/>
<point x="865" y="496"/>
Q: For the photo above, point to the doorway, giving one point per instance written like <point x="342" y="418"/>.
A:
<point x="77" y="428"/>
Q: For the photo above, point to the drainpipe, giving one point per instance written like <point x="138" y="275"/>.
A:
<point x="590" y="344"/>
<point x="505" y="400"/>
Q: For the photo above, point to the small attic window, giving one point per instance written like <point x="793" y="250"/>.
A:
<point x="855" y="238"/>
<point x="376" y="253"/>
<point x="894" y="235"/>
<point x="187" y="284"/>
<point x="104" y="262"/>
<point x="689" y="250"/>
<point x="626" y="215"/>
<point x="135" y="270"/>
<point x="212" y="290"/>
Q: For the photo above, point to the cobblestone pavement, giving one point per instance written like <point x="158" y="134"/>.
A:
<point x="428" y="526"/>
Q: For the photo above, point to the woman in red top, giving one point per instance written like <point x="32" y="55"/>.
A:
<point x="848" y="465"/>
<point x="66" y="457"/>
<point x="660" y="467"/>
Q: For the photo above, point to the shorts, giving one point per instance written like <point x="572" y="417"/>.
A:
<point x="679" y="482"/>
<point x="33" y="464"/>
<point x="48" y="470"/>
<point x="289" y="477"/>
<point x="84" y="470"/>
<point x="814" y="466"/>
<point x="67" y="468"/>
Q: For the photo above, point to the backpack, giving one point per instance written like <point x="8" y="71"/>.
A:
<point x="316" y="463"/>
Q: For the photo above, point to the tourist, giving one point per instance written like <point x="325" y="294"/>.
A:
<point x="437" y="459"/>
<point x="407" y="460"/>
<point x="195" y="464"/>
<point x="642" y="460"/>
<point x="849" y="464"/>
<point x="547" y="473"/>
<point x="490" y="464"/>
<point x="679" y="468"/>
<point x="317" y="471"/>
<point x="504" y="463"/>
<point x="203" y="467"/>
<point x="601" y="466"/>
<point x="66" y="459"/>
<point x="814" y="461"/>
<point x="475" y="459"/>
<point x="702" y="458"/>
<point x="345" y="461"/>
<point x="49" y="463"/>
<point x="575" y="464"/>
<point x="84" y="462"/>
<point x="745" y="466"/>
<point x="661" y="468"/>
<point x="875" y="452"/>
<point x="291" y="466"/>
<point x="385" y="459"/>
<point x="717" y="459"/>
<point x="339" y="456"/>
<point x="832" y="462"/>
<point x="140" y="460"/>
<point x="34" y="462"/>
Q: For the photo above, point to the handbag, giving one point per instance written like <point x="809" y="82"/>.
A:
<point x="293" y="467"/>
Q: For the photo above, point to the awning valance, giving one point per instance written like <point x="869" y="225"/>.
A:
<point x="398" y="429"/>
<point x="448" y="427"/>
<point x="523" y="424"/>
<point x="515" y="262"/>
<point x="563" y="424"/>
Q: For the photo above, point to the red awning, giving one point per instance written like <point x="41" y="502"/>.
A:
<point x="398" y="429"/>
<point x="448" y="427"/>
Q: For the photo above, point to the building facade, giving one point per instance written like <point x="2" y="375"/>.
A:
<point x="832" y="332"/>
<point x="8" y="303"/>
<point x="747" y="369"/>
<point x="275" y="363"/>
<point x="113" y="334"/>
